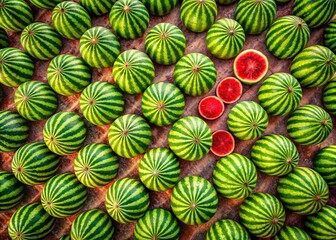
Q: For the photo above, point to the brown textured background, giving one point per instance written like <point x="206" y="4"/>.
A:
<point x="128" y="167"/>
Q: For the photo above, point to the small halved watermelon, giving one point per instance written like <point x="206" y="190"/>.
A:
<point x="223" y="143"/>
<point x="211" y="107"/>
<point x="229" y="90"/>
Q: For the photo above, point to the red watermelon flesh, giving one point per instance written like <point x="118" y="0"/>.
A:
<point x="211" y="108"/>
<point x="229" y="90"/>
<point x="223" y="143"/>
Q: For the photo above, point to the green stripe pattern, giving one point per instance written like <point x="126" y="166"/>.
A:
<point x="65" y="237"/>
<point x="195" y="74"/>
<point x="71" y="20"/>
<point x="64" y="133"/>
<point x="262" y="215"/>
<point x="194" y="200"/>
<point x="93" y="224"/>
<point x="63" y="195"/>
<point x="329" y="93"/>
<point x="255" y="16"/>
<point x="330" y="36"/>
<point x="4" y="40"/>
<point x="287" y="36"/>
<point x="303" y="191"/>
<point x="247" y="120"/>
<point x="97" y="7"/>
<point x="14" y="131"/>
<point x="190" y="138"/>
<point x="275" y="155"/>
<point x="11" y="191"/>
<point x="30" y="221"/>
<point x="133" y="71"/>
<point x="165" y="43"/>
<point x="127" y="200"/>
<point x="159" y="169"/>
<point x="290" y="233"/>
<point x="235" y="176"/>
<point x="160" y="7"/>
<point x="325" y="164"/>
<point x="34" y="164"/>
<point x="227" y="229"/>
<point x="47" y="4"/>
<point x="309" y="124"/>
<point x="162" y="103"/>
<point x="101" y="103"/>
<point x="157" y="223"/>
<point x="35" y="100"/>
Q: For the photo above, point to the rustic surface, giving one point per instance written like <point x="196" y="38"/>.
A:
<point x="128" y="167"/>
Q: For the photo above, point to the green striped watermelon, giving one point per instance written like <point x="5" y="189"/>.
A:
<point x="329" y="36"/>
<point x="280" y="94"/>
<point x="162" y="103"/>
<point x="262" y="214"/>
<point x="129" y="18"/>
<point x="234" y="176"/>
<point x="195" y="74"/>
<point x="225" y="2"/>
<point x="70" y="20"/>
<point x="14" y="131"/>
<point x="160" y="7"/>
<point x="247" y="120"/>
<point x="157" y="223"/>
<point x="325" y="164"/>
<point x="34" y="164"/>
<point x="64" y="133"/>
<point x="287" y="36"/>
<point x="101" y="103"/>
<point x="303" y="191"/>
<point x="16" y="67"/>
<point x="93" y="224"/>
<point x="190" y="138"/>
<point x="4" y="39"/>
<point x="30" y="221"/>
<point x="329" y="100"/>
<point x="129" y="135"/>
<point x="225" y="39"/>
<point x="309" y="124"/>
<point x="133" y="71"/>
<point x="96" y="165"/>
<point x="255" y="16"/>
<point x="227" y="229"/>
<point x="11" y="191"/>
<point x="291" y="233"/>
<point x="63" y="195"/>
<point x="35" y="100"/>
<point x="99" y="47"/>
<point x="15" y="15"/>
<point x="165" y="43"/>
<point x="97" y="7"/>
<point x="65" y="237"/>
<point x="127" y="200"/>
<point x="314" y="66"/>
<point x="47" y="4"/>
<point x="198" y="15"/>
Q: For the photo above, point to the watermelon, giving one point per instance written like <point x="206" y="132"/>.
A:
<point x="194" y="200"/>
<point x="64" y="133"/>
<point x="225" y="2"/>
<point x="70" y="20"/>
<point x="30" y="221"/>
<point x="11" y="191"/>
<point x="227" y="229"/>
<point x="157" y="223"/>
<point x="65" y="237"/>
<point x="289" y="233"/>
<point x="96" y="165"/>
<point x="223" y="143"/>
<point x="287" y="36"/>
<point x="262" y="215"/>
<point x="190" y="138"/>
<point x="34" y="164"/>
<point x="97" y="7"/>
<point x="4" y="39"/>
<point x="229" y="90"/>
<point x="275" y="155"/>
<point x="165" y="43"/>
<point x="133" y="71"/>
<point x="211" y="107"/>
<point x="162" y="103"/>
<point x="303" y="191"/>
<point x="159" y="169"/>
<point x="234" y="176"/>
<point x="99" y="47"/>
<point x="15" y="15"/>
<point x="47" y="4"/>
<point x="280" y="94"/>
<point x="35" y="100"/>
<point x="93" y="224"/>
<point x="195" y="74"/>
<point x="68" y="75"/>
<point x="225" y="39"/>
<point x="160" y="7"/>
<point x="329" y="36"/>
<point x="126" y="200"/>
<point x="101" y="103"/>
<point x="198" y="15"/>
<point x="14" y="131"/>
<point x="329" y="100"/>
<point x="309" y="124"/>
<point x="314" y="66"/>
<point x="129" y="18"/>
<point x="16" y="67"/>
<point x="325" y="164"/>
<point x="63" y="195"/>
<point x="255" y="16"/>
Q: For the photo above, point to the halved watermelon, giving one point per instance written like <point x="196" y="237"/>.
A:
<point x="223" y="143"/>
<point x="229" y="90"/>
<point x="211" y="107"/>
